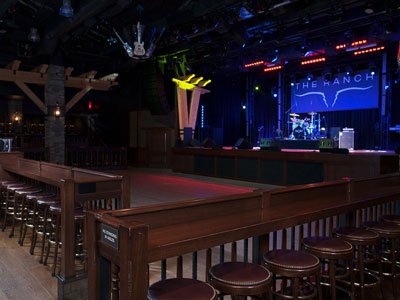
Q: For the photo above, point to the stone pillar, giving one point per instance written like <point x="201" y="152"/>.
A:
<point x="55" y="125"/>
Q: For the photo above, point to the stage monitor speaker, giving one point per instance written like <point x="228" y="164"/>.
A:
<point x="209" y="143"/>
<point x="5" y="145"/>
<point x="193" y="143"/>
<point x="326" y="145"/>
<point x="346" y="138"/>
<point x="243" y="144"/>
<point x="265" y="144"/>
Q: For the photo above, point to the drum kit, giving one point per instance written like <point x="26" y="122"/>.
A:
<point x="305" y="129"/>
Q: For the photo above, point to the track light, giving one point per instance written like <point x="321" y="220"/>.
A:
<point x="33" y="35"/>
<point x="66" y="9"/>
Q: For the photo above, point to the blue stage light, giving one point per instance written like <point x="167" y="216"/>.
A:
<point x="66" y="9"/>
<point x="244" y="106"/>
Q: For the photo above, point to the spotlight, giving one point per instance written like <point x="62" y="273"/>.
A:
<point x="372" y="69"/>
<point x="243" y="106"/>
<point x="310" y="77"/>
<point x="243" y="45"/>
<point x="33" y="35"/>
<point x="369" y="9"/>
<point x="66" y="9"/>
<point x="257" y="88"/>
<point x="292" y="80"/>
<point x="275" y="92"/>
<point x="349" y="71"/>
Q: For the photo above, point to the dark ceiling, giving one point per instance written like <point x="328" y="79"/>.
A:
<point x="214" y="32"/>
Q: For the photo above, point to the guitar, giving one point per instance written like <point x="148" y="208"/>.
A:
<point x="139" y="45"/>
<point x="126" y="46"/>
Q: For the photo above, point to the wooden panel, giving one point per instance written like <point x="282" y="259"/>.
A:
<point x="183" y="163"/>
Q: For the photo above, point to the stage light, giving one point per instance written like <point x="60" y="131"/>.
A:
<point x="369" y="9"/>
<point x="313" y="61"/>
<point x="243" y="45"/>
<point x="257" y="88"/>
<point x="272" y="68"/>
<point x="275" y="92"/>
<point x="292" y="83"/>
<point x="370" y="50"/>
<point x="33" y="35"/>
<point x="292" y="80"/>
<point x="349" y="70"/>
<point x="310" y="77"/>
<point x="66" y="9"/>
<point x="243" y="107"/>
<point x="358" y="43"/>
<point x="341" y="46"/>
<point x="254" y="64"/>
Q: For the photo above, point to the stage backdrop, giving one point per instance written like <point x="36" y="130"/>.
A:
<point x="343" y="92"/>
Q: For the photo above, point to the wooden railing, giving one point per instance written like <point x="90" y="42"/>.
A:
<point x="94" y="190"/>
<point x="124" y="243"/>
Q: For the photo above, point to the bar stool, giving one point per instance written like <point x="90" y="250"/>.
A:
<point x="21" y="209"/>
<point x="292" y="264"/>
<point x="181" y="289"/>
<point x="241" y="279"/>
<point x="330" y="251"/>
<point x="391" y="218"/>
<point x="32" y="213"/>
<point x="10" y="198"/>
<point x="363" y="240"/>
<point x="7" y="204"/>
<point x="388" y="231"/>
<point x="41" y="223"/>
<point x="55" y="233"/>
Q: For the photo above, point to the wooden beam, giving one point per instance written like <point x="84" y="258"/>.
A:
<point x="31" y="95"/>
<point x="42" y="69"/>
<point x="14" y="65"/>
<point x="41" y="79"/>
<point x="78" y="96"/>
<point x="90" y="75"/>
<point x="68" y="71"/>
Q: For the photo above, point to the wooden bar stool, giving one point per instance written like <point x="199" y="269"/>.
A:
<point x="7" y="200"/>
<point x="366" y="245"/>
<point x="330" y="251"/>
<point x="21" y="208"/>
<point x="55" y="233"/>
<point x="32" y="213"/>
<point x="181" y="289"/>
<point x="389" y="232"/>
<point x="42" y="223"/>
<point x="296" y="265"/>
<point x="241" y="279"/>
<point x="10" y="203"/>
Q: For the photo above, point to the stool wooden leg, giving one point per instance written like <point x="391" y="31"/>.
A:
<point x="332" y="272"/>
<point x="24" y="218"/>
<point x="57" y="229"/>
<point x="394" y="269"/>
<point x="361" y="267"/>
<point x="5" y="213"/>
<point x="380" y="269"/>
<point x="318" y="283"/>
<point x="352" y="278"/>
<point x="13" y="220"/>
<point x="296" y="288"/>
<point x="44" y="230"/>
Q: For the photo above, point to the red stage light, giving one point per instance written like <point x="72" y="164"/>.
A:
<point x="369" y="50"/>
<point x="312" y="61"/>
<point x="90" y="105"/>
<point x="357" y="43"/>
<point x="341" y="46"/>
<point x="272" y="68"/>
<point x="257" y="63"/>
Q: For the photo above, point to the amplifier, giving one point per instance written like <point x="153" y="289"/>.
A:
<point x="346" y="139"/>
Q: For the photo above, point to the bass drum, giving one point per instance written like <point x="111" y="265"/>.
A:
<point x="299" y="133"/>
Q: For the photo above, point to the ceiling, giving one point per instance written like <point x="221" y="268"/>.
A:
<point x="217" y="33"/>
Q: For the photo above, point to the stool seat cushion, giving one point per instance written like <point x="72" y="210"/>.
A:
<point x="240" y="273"/>
<point x="356" y="233"/>
<point x="181" y="289"/>
<point x="383" y="227"/>
<point x="327" y="244"/>
<point x="28" y="191"/>
<point x="40" y="195"/>
<point x="19" y="187"/>
<point x="391" y="218"/>
<point x="291" y="259"/>
<point x="48" y="201"/>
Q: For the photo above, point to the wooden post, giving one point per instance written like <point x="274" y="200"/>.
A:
<point x="126" y="192"/>
<point x="93" y="259"/>
<point x="133" y="262"/>
<point x="67" y="229"/>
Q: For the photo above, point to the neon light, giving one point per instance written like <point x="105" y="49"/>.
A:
<point x="196" y="80"/>
<point x="370" y="50"/>
<point x="257" y="63"/>
<point x="341" y="46"/>
<point x="272" y="68"/>
<point x="312" y="61"/>
<point x="202" y="116"/>
<point x="357" y="43"/>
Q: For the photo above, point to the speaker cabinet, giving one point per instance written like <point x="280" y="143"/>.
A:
<point x="209" y="143"/>
<point x="243" y="144"/>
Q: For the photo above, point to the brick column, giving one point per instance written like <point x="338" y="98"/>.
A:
<point x="55" y="125"/>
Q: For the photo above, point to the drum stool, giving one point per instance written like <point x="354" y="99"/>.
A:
<point x="241" y="279"/>
<point x="389" y="232"/>
<point x="181" y="289"/>
<point x="330" y="251"/>
<point x="296" y="265"/>
<point x="365" y="242"/>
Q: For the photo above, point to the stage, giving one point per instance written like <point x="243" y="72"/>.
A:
<point x="287" y="167"/>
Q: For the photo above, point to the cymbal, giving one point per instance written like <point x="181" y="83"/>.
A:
<point x="294" y="115"/>
<point x="312" y="113"/>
